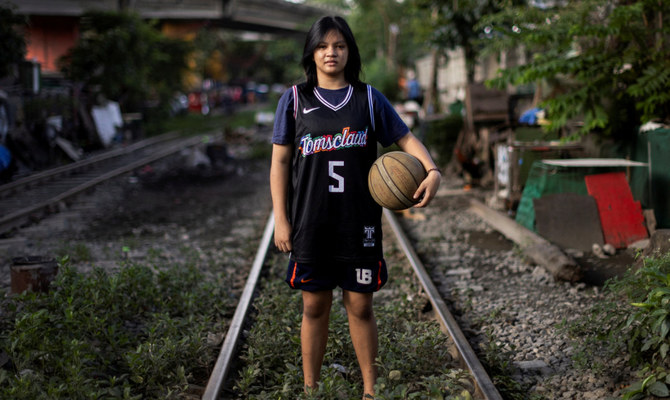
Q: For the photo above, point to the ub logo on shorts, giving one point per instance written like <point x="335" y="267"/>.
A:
<point x="369" y="238"/>
<point x="363" y="276"/>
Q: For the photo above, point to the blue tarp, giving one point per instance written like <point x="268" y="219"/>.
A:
<point x="5" y="158"/>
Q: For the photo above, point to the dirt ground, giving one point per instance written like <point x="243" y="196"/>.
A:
<point x="172" y="209"/>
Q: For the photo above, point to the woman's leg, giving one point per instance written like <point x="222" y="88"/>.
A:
<point x="314" y="333"/>
<point x="363" y="330"/>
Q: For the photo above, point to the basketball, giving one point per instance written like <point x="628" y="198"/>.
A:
<point x="393" y="179"/>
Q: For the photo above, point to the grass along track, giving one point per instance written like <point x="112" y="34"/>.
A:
<point x="414" y="357"/>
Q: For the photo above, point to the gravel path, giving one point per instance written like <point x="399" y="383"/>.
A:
<point x="490" y="286"/>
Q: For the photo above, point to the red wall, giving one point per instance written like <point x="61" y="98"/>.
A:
<point x="49" y="38"/>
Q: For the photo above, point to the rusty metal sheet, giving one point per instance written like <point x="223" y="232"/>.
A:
<point x="569" y="220"/>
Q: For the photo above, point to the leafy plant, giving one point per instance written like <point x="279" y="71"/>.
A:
<point x="441" y="136"/>
<point x="636" y="321"/>
<point x="75" y="252"/>
<point x="604" y="63"/>
<point x="449" y="25"/>
<point x="12" y="43"/>
<point x="126" y="59"/>
<point x="138" y="333"/>
<point x="654" y="383"/>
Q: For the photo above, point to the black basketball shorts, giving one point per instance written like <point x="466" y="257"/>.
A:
<point x="365" y="277"/>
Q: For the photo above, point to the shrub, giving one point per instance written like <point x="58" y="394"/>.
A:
<point x="138" y="333"/>
<point x="441" y="136"/>
<point x="634" y="320"/>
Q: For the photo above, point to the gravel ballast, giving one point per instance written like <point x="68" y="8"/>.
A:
<point x="490" y="286"/>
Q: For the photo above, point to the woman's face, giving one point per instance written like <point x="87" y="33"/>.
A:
<point x="331" y="54"/>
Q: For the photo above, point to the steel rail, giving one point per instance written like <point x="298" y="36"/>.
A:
<point x="483" y="383"/>
<point x="223" y="362"/>
<point x="52" y="173"/>
<point x="16" y="218"/>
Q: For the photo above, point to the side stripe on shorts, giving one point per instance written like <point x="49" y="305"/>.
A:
<point x="379" y="276"/>
<point x="295" y="269"/>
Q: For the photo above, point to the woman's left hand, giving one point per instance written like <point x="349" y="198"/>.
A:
<point x="428" y="188"/>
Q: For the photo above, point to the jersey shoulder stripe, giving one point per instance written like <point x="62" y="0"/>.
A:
<point x="371" y="107"/>
<point x="295" y="101"/>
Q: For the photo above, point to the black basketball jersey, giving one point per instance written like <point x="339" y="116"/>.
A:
<point x="332" y="212"/>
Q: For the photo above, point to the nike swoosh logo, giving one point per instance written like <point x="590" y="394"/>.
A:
<point x="309" y="110"/>
<point x="306" y="280"/>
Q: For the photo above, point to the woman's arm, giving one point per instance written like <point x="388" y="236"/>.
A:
<point x="279" y="181"/>
<point x="428" y="188"/>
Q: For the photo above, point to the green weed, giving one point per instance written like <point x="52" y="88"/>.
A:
<point x="414" y="360"/>
<point x="635" y="320"/>
<point x="136" y="333"/>
<point x="77" y="252"/>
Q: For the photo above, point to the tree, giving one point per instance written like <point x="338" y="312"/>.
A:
<point x="448" y="25"/>
<point x="126" y="59"/>
<point x="12" y="42"/>
<point x="452" y="24"/>
<point x="386" y="41"/>
<point x="607" y="63"/>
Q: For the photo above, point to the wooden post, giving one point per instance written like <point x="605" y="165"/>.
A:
<point x="538" y="249"/>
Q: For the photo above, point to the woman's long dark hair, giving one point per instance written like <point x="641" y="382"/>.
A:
<point x="317" y="32"/>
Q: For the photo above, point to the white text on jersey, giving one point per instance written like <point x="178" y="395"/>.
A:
<point x="337" y="141"/>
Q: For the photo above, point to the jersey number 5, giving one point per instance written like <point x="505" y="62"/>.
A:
<point x="339" y="187"/>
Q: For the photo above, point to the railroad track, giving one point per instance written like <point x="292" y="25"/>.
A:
<point x="463" y="352"/>
<point x="536" y="301"/>
<point x="29" y="199"/>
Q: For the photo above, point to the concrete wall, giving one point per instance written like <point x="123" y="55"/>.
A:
<point x="451" y="77"/>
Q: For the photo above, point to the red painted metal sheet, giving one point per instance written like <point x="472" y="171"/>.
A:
<point x="621" y="216"/>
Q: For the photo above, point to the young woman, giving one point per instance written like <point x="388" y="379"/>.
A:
<point x="324" y="143"/>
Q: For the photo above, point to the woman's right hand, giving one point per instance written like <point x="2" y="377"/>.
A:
<point x="279" y="181"/>
<point x="283" y="236"/>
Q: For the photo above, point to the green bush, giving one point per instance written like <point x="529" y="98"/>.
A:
<point x="635" y="320"/>
<point x="138" y="333"/>
<point x="126" y="59"/>
<point x="384" y="79"/>
<point x="441" y="136"/>
<point x="12" y="42"/>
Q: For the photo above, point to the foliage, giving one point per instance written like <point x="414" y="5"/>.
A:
<point x="383" y="79"/>
<point x="198" y="123"/>
<point x="137" y="333"/>
<point x="451" y="24"/>
<point x="606" y="63"/>
<point x="384" y="32"/>
<point x="126" y="59"/>
<point x="279" y="62"/>
<point x="224" y="57"/>
<point x="441" y="136"/>
<point x="635" y="321"/>
<point x="12" y="42"/>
